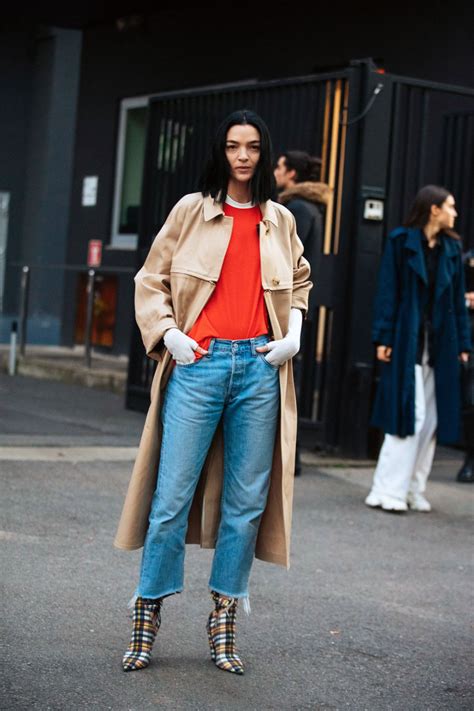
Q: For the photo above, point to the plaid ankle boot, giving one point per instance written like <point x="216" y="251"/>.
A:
<point x="146" y="623"/>
<point x="221" y="634"/>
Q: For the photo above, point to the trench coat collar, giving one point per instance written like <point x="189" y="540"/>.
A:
<point x="446" y="266"/>
<point x="213" y="209"/>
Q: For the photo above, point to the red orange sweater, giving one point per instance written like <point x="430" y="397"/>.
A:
<point x="236" y="309"/>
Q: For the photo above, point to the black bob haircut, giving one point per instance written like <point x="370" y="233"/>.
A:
<point x="216" y="174"/>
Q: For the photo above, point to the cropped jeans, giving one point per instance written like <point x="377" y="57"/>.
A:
<point x="233" y="382"/>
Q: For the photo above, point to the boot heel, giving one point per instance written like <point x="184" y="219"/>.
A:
<point x="146" y="623"/>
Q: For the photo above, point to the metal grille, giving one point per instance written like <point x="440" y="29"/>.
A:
<point x="417" y="133"/>
<point x="182" y="126"/>
<point x="431" y="144"/>
<point x="457" y="169"/>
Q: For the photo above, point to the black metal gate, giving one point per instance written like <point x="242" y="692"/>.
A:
<point x="301" y="113"/>
<point x="380" y="137"/>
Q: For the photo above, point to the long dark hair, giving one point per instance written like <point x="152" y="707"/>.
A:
<point x="420" y="211"/>
<point x="307" y="167"/>
<point x="216" y="174"/>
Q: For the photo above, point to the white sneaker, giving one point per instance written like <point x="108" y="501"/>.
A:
<point x="417" y="502"/>
<point x="373" y="500"/>
<point x="387" y="503"/>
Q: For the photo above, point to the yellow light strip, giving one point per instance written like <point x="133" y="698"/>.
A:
<point x="332" y="167"/>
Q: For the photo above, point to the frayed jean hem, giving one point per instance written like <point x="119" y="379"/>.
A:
<point x="167" y="593"/>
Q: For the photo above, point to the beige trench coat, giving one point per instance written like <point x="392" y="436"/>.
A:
<point x="174" y="284"/>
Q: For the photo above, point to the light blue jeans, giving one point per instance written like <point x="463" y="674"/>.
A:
<point x="237" y="384"/>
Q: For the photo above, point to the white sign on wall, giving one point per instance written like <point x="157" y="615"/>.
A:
<point x="89" y="190"/>
<point x="373" y="210"/>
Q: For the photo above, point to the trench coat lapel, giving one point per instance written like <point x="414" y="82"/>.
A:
<point x="269" y="213"/>
<point x="446" y="265"/>
<point x="416" y="259"/>
<point x="211" y="208"/>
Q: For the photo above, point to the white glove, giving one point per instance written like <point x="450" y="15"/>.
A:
<point x="180" y="346"/>
<point x="285" y="348"/>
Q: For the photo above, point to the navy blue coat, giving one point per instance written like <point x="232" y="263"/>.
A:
<point x="398" y="311"/>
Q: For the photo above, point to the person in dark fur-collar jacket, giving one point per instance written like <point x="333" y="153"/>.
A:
<point x="297" y="175"/>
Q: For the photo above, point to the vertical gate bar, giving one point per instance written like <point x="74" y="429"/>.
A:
<point x="458" y="153"/>
<point x="324" y="153"/>
<point x="340" y="180"/>
<point x="163" y="179"/>
<point x="393" y="165"/>
<point x="321" y="330"/>
<point x="89" y="315"/>
<point x="410" y="179"/>
<point x="445" y="168"/>
<point x="190" y="141"/>
<point x="424" y="136"/>
<point x="180" y="147"/>
<point x="323" y="384"/>
<point x="318" y="117"/>
<point x="24" y="303"/>
<point x="404" y="118"/>
<point x="159" y="173"/>
<point x="191" y="157"/>
<point x="467" y="180"/>
<point x="176" y="182"/>
<point x="319" y="357"/>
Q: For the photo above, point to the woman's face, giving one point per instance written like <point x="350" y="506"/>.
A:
<point x="446" y="213"/>
<point x="242" y="149"/>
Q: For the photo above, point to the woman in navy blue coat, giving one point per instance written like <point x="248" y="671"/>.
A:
<point x="421" y="329"/>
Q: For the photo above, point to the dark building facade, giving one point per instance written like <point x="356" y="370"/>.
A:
<point x="76" y="121"/>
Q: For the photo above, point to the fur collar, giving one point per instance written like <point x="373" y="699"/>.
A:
<point x="309" y="190"/>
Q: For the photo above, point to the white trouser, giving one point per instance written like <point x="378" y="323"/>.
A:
<point x="404" y="463"/>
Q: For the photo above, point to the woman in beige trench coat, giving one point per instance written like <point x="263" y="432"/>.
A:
<point x="219" y="302"/>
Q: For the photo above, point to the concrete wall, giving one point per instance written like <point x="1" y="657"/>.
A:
<point x="16" y="60"/>
<point x="43" y="144"/>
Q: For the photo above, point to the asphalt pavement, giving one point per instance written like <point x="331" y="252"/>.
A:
<point x="375" y="612"/>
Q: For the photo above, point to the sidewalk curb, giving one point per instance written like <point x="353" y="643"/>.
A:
<point x="73" y="373"/>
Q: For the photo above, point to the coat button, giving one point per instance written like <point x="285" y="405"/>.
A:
<point x="275" y="281"/>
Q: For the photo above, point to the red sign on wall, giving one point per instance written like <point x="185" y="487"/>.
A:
<point x="94" y="253"/>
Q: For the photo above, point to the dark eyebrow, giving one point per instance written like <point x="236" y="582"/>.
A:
<point x="256" y="141"/>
